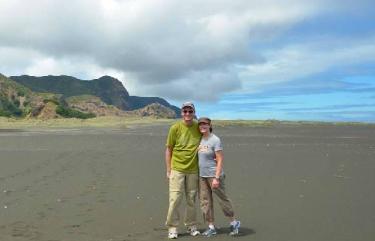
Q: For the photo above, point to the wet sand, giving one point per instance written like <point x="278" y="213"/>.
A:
<point x="288" y="183"/>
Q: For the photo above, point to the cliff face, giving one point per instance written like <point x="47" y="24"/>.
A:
<point x="108" y="89"/>
<point x="93" y="104"/>
<point x="16" y="100"/>
<point x="19" y="101"/>
<point x="155" y="110"/>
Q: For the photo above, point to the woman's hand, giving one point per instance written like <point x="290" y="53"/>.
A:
<point x="215" y="183"/>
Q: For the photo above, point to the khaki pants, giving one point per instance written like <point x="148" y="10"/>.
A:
<point x="181" y="184"/>
<point x="206" y="198"/>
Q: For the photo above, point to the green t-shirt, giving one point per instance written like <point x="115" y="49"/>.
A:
<point x="184" y="141"/>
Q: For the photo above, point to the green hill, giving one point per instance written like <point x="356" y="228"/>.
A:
<point x="17" y="100"/>
<point x="108" y="89"/>
<point x="65" y="96"/>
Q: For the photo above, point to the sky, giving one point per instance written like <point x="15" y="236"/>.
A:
<point x="235" y="59"/>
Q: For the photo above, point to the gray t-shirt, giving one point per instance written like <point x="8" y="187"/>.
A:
<point x="206" y="155"/>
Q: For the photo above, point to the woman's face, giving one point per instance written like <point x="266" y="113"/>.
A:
<point x="204" y="128"/>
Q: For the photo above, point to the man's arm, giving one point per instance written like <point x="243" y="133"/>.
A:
<point x="171" y="141"/>
<point x="168" y="158"/>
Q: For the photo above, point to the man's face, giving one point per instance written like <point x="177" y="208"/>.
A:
<point x="187" y="113"/>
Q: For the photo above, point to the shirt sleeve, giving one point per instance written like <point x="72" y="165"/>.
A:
<point x="218" y="146"/>
<point x="171" y="139"/>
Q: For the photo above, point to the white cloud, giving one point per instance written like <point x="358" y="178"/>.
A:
<point x="16" y="60"/>
<point x="156" y="47"/>
<point x="78" y="68"/>
<point x="202" y="85"/>
<point x="302" y="60"/>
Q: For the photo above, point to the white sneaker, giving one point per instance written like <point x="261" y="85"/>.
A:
<point x="234" y="228"/>
<point x="193" y="231"/>
<point x="172" y="233"/>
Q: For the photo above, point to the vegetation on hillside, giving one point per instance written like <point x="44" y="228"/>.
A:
<point x="8" y="108"/>
<point x="71" y="113"/>
<point x="108" y="89"/>
<point x="17" y="100"/>
<point x="14" y="98"/>
<point x="68" y="97"/>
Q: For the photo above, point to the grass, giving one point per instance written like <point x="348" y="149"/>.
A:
<point x="125" y="122"/>
<point x="98" y="122"/>
<point x="270" y="123"/>
<point x="80" y="98"/>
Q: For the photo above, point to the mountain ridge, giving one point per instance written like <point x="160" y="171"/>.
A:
<point x="110" y="90"/>
<point x="66" y="96"/>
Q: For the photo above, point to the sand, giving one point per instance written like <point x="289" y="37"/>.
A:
<point x="287" y="182"/>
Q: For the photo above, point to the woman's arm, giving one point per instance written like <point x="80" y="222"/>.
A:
<point x="219" y="168"/>
<point x="219" y="163"/>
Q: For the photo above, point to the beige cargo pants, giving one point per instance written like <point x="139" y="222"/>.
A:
<point x="206" y="198"/>
<point x="182" y="184"/>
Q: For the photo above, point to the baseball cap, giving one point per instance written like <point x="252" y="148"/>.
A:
<point x="204" y="120"/>
<point x="188" y="104"/>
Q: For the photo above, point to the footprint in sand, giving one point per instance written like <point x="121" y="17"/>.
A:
<point x="23" y="230"/>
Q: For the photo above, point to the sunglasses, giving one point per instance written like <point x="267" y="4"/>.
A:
<point x="188" y="111"/>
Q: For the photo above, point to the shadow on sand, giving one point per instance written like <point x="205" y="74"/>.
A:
<point x="243" y="231"/>
<point x="225" y="231"/>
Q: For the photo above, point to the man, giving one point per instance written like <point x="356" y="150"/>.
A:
<point x="182" y="170"/>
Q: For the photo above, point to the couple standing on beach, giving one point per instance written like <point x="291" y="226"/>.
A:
<point x="187" y="142"/>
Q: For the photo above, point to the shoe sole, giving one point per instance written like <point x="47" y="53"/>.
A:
<point x="195" y="234"/>
<point x="172" y="236"/>
<point x="234" y="233"/>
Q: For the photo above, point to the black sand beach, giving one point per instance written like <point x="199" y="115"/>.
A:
<point x="287" y="182"/>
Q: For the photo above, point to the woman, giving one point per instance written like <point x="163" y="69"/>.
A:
<point x="211" y="178"/>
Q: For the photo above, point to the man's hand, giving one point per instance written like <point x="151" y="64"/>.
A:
<point x="168" y="174"/>
<point x="215" y="183"/>
<point x="168" y="157"/>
